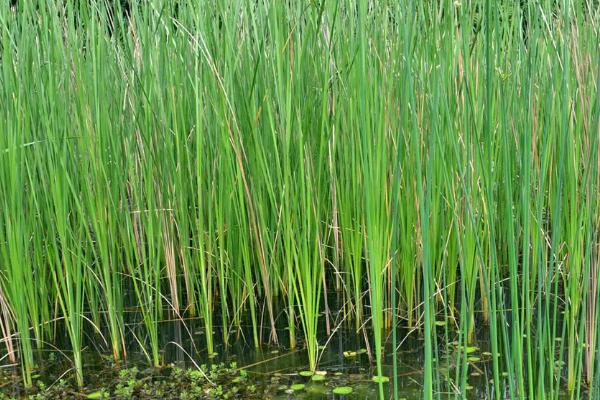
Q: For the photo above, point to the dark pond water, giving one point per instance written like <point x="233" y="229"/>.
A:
<point x="271" y="371"/>
<point x="242" y="371"/>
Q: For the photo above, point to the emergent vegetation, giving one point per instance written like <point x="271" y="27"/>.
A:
<point x="434" y="163"/>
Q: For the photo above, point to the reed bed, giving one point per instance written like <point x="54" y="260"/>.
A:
<point x="434" y="163"/>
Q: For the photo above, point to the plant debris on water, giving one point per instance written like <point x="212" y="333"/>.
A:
<point x="218" y="381"/>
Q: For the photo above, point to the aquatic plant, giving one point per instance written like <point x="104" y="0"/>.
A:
<point x="434" y="163"/>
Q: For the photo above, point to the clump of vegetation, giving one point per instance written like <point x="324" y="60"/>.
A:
<point x="217" y="381"/>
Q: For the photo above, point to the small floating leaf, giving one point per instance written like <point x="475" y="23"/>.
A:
<point x="486" y="353"/>
<point x="297" y="387"/>
<point x="100" y="394"/>
<point x="472" y="349"/>
<point x="380" y="379"/>
<point x="342" y="390"/>
<point x="322" y="373"/>
<point x="318" y="378"/>
<point x="306" y="374"/>
<point x="350" y="354"/>
<point x="473" y="359"/>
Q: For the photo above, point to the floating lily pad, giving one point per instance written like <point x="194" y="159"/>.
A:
<point x="342" y="390"/>
<point x="297" y="387"/>
<point x="306" y="374"/>
<point x="471" y="349"/>
<point x="380" y="379"/>
<point x="318" y="378"/>
<point x="473" y="359"/>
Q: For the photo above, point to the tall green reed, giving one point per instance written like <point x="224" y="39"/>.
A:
<point x="437" y="163"/>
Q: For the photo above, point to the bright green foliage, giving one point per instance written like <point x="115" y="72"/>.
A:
<point x="434" y="162"/>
